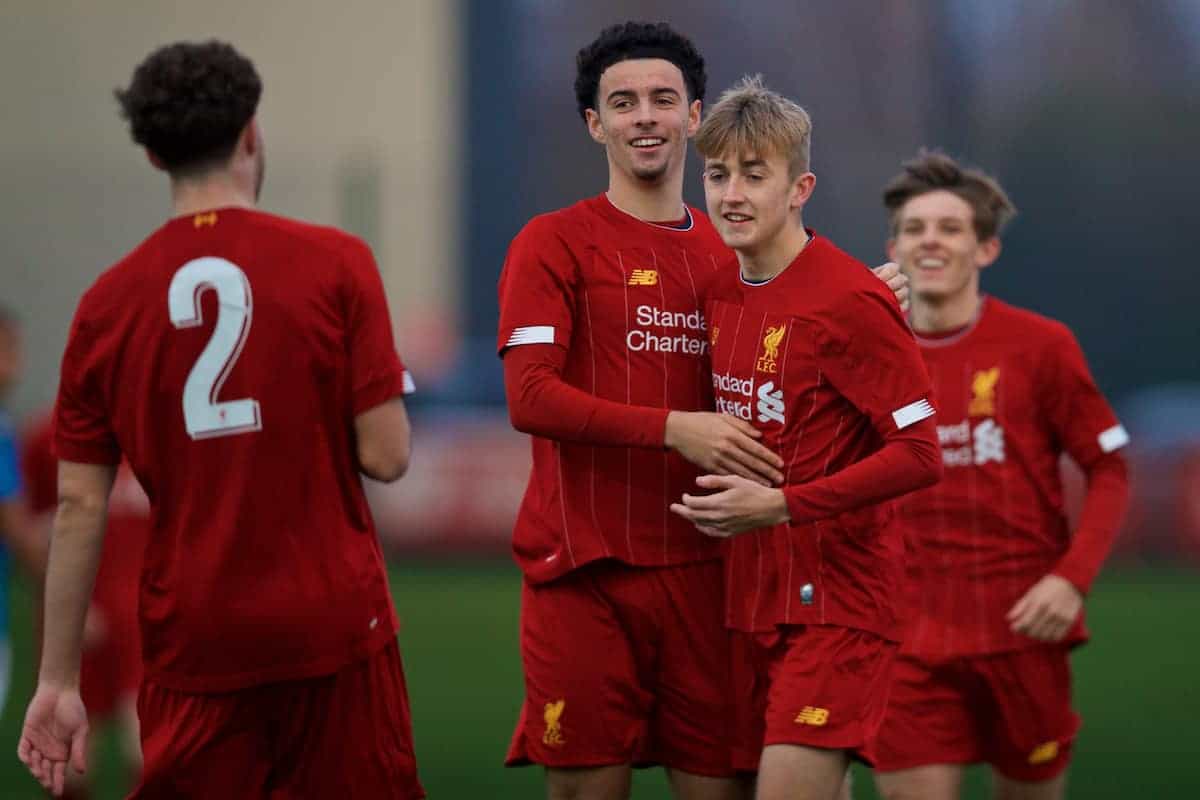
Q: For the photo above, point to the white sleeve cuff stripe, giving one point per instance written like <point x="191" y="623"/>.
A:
<point x="912" y="413"/>
<point x="533" y="334"/>
<point x="1114" y="438"/>
<point x="409" y="385"/>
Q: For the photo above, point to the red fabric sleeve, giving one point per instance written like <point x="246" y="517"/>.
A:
<point x="541" y="403"/>
<point x="376" y="372"/>
<point x="39" y="467"/>
<point x="82" y="432"/>
<point x="910" y="460"/>
<point x="869" y="355"/>
<point x="537" y="288"/>
<point x="1103" y="509"/>
<point x="1090" y="432"/>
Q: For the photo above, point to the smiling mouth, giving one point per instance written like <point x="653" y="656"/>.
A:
<point x="648" y="141"/>
<point x="930" y="263"/>
<point x="736" y="218"/>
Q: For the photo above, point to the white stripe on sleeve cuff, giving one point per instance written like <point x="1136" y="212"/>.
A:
<point x="532" y="334"/>
<point x="409" y="386"/>
<point x="912" y="413"/>
<point x="1113" y="439"/>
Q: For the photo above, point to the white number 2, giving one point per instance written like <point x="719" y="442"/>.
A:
<point x="202" y="414"/>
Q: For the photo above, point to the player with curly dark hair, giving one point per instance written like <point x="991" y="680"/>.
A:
<point x="605" y="353"/>
<point x="187" y="104"/>
<point x="269" y="647"/>
<point x="632" y="40"/>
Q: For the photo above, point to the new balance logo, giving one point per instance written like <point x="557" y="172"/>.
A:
<point x="770" y="403"/>
<point x="989" y="442"/>
<point x="811" y="715"/>
<point x="643" y="277"/>
<point x="1044" y="753"/>
<point x="200" y="220"/>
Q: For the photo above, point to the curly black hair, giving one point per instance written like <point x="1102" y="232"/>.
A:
<point x="628" y="40"/>
<point x="188" y="102"/>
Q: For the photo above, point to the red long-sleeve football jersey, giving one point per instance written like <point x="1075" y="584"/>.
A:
<point x="621" y="301"/>
<point x="821" y="360"/>
<point x="1014" y="393"/>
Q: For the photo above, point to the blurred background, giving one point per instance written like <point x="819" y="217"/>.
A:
<point x="435" y="129"/>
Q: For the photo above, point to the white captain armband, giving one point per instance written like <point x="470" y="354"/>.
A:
<point x="1113" y="439"/>
<point x="912" y="413"/>
<point x="532" y="334"/>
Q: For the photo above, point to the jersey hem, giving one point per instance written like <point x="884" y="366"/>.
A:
<point x="316" y="668"/>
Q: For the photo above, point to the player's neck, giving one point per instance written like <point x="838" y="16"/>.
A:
<point x="774" y="256"/>
<point x="944" y="314"/>
<point x="649" y="202"/>
<point x="219" y="190"/>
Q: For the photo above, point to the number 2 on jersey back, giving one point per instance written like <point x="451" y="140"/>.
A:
<point x="202" y="414"/>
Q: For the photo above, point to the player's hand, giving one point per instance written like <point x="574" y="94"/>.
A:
<point x="896" y="280"/>
<point x="723" y="445"/>
<point x="741" y="505"/>
<point x="1048" y="610"/>
<point x="54" y="736"/>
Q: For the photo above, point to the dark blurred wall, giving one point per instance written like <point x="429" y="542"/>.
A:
<point x="1085" y="109"/>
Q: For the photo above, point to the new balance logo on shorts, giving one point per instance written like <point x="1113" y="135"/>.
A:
<point x="811" y="715"/>
<point x="1044" y="753"/>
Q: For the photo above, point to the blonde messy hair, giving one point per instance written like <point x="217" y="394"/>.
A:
<point x="750" y="118"/>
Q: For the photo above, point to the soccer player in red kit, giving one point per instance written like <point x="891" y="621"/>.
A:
<point x="605" y="360"/>
<point x="816" y="354"/>
<point x="996" y="579"/>
<point x="243" y="364"/>
<point x="111" y="668"/>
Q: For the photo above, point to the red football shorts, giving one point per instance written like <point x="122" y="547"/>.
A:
<point x="1010" y="710"/>
<point x="626" y="665"/>
<point x="811" y="685"/>
<point x="345" y="736"/>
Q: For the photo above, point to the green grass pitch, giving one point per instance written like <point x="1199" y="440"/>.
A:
<point x="1136" y="688"/>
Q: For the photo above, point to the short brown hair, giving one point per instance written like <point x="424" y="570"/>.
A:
<point x="749" y="117"/>
<point x="188" y="102"/>
<point x="932" y="171"/>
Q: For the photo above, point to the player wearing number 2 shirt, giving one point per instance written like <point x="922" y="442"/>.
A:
<point x="812" y="351"/>
<point x="243" y="365"/>
<point x="996" y="578"/>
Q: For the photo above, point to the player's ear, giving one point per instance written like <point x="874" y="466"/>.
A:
<point x="250" y="139"/>
<point x="890" y="247"/>
<point x="594" y="127"/>
<point x="155" y="161"/>
<point x="694" y="118"/>
<point x="988" y="252"/>
<point x="802" y="189"/>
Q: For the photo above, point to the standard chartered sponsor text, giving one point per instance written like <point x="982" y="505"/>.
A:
<point x="641" y="339"/>
<point x="726" y="384"/>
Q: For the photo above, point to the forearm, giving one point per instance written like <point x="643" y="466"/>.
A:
<point x="541" y="403"/>
<point x="75" y="546"/>
<point x="1103" y="509"/>
<point x="908" y="461"/>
